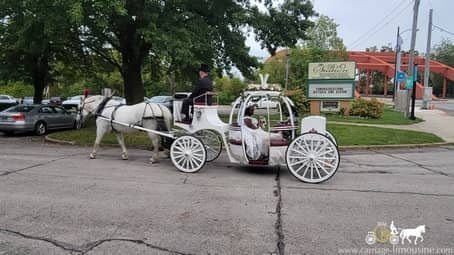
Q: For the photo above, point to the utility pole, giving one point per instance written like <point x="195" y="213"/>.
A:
<point x="286" y="69"/>
<point x="427" y="96"/>
<point x="412" y="52"/>
<point x="395" y="65"/>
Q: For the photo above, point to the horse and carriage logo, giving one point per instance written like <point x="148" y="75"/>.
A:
<point x="382" y="233"/>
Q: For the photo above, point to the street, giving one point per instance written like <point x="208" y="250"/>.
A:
<point x="54" y="200"/>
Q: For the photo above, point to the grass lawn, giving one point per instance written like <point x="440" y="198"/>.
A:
<point x="361" y="135"/>
<point x="345" y="135"/>
<point x="389" y="117"/>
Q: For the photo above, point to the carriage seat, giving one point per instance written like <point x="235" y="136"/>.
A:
<point x="205" y="99"/>
<point x="275" y="141"/>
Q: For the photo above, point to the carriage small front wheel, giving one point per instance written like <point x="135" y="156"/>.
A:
<point x="188" y="154"/>
<point x="312" y="157"/>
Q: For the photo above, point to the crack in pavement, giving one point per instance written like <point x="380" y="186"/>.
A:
<point x="417" y="164"/>
<point x="278" y="225"/>
<point x="35" y="165"/>
<point x="374" y="191"/>
<point x="87" y="247"/>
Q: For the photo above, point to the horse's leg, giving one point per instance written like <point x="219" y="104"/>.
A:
<point x="99" y="135"/>
<point x="121" y="141"/>
<point x="155" y="141"/>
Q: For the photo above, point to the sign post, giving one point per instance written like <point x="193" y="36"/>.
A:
<point x="331" y="86"/>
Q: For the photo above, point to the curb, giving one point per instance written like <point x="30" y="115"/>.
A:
<point x="52" y="140"/>
<point x="341" y="148"/>
<point x="393" y="146"/>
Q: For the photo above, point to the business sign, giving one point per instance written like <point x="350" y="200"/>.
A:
<point x="332" y="70"/>
<point x="331" y="90"/>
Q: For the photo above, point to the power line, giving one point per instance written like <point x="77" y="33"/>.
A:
<point x="400" y="12"/>
<point x="374" y="29"/>
<point x="443" y="30"/>
<point x="377" y="24"/>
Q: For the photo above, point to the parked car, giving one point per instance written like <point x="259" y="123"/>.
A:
<point x="72" y="103"/>
<point x="163" y="100"/>
<point x="27" y="100"/>
<point x="122" y="100"/>
<point x="36" y="118"/>
<point x="7" y="101"/>
<point x="266" y="103"/>
<point x="181" y="95"/>
<point x="55" y="101"/>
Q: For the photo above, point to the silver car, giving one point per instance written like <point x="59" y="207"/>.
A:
<point x="36" y="118"/>
<point x="7" y="101"/>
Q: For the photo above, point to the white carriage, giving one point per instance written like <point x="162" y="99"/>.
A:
<point x="308" y="150"/>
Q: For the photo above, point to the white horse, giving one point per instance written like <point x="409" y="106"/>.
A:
<point x="143" y="114"/>
<point x="416" y="232"/>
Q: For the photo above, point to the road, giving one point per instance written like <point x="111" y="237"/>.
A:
<point x="445" y="105"/>
<point x="54" y="200"/>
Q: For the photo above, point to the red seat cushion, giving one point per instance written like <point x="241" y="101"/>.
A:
<point x="280" y="142"/>
<point x="235" y="142"/>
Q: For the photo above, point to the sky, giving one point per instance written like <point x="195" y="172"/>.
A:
<point x="366" y="23"/>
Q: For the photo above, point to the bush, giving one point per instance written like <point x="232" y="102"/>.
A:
<point x="17" y="89"/>
<point x="367" y="108"/>
<point x="299" y="99"/>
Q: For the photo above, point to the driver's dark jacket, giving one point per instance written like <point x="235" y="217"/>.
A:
<point x="202" y="86"/>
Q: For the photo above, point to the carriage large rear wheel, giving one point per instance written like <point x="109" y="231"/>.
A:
<point x="212" y="142"/>
<point x="188" y="154"/>
<point x="331" y="136"/>
<point x="312" y="158"/>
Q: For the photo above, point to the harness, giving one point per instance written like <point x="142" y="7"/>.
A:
<point x="112" y="117"/>
<point x="101" y="106"/>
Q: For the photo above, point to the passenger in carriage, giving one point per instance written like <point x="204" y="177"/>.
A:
<point x="203" y="85"/>
<point x="256" y="139"/>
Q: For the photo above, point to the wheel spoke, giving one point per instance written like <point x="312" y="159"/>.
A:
<point x="312" y="170"/>
<point x="190" y="164"/>
<point x="326" y="164"/>
<point x="316" y="169"/>
<point x="320" y="165"/>
<point x="321" y="148"/>
<point x="298" y="162"/>
<point x="297" y="157"/>
<point x="325" y="152"/>
<point x="199" y="157"/>
<point x="303" y="148"/>
<point x="301" y="167"/>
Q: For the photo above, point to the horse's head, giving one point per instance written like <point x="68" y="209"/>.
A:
<point x="422" y="228"/>
<point x="88" y="105"/>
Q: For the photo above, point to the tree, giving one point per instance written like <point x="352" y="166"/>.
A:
<point x="282" y="26"/>
<point x="444" y="53"/>
<point x="324" y="35"/>
<point x="176" y="36"/>
<point x="34" y="33"/>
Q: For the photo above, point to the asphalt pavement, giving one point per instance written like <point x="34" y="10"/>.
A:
<point x="54" y="200"/>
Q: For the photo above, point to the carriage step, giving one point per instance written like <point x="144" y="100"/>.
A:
<point x="258" y="162"/>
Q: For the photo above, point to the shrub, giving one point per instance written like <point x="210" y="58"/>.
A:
<point x="17" y="89"/>
<point x="367" y="108"/>
<point x="299" y="99"/>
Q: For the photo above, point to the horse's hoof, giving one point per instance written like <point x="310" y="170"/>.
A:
<point x="92" y="156"/>
<point x="124" y="157"/>
<point x="152" y="161"/>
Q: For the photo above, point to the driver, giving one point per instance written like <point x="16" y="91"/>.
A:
<point x="203" y="85"/>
